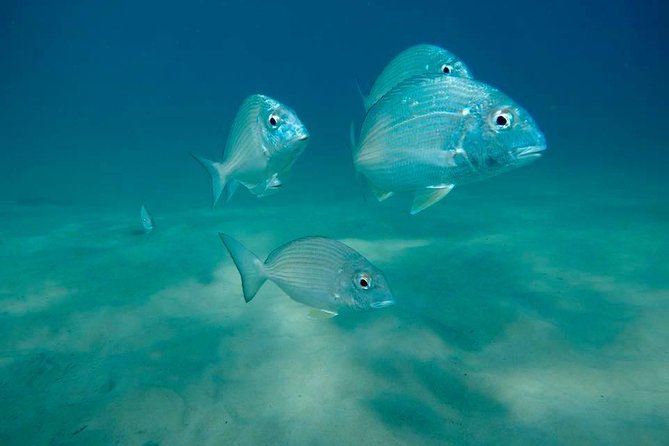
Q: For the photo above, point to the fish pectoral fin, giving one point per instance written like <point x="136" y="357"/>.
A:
<point x="316" y="315"/>
<point x="378" y="193"/>
<point x="425" y="198"/>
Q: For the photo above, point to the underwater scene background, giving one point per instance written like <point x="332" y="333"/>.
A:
<point x="531" y="308"/>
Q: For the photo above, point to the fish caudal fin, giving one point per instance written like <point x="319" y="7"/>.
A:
<point x="251" y="268"/>
<point x="425" y="198"/>
<point x="218" y="176"/>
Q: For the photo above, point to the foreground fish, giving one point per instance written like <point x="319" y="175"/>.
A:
<point x="146" y="219"/>
<point x="416" y="60"/>
<point x="265" y="140"/>
<point x="432" y="132"/>
<point x="322" y="273"/>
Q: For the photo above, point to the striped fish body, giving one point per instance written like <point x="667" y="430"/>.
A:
<point x="414" y="61"/>
<point x="319" y="272"/>
<point x="265" y="140"/>
<point x="432" y="132"/>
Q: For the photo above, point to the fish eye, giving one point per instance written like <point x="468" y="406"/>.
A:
<point x="502" y="119"/>
<point x="363" y="280"/>
<point x="446" y="69"/>
<point x="273" y="120"/>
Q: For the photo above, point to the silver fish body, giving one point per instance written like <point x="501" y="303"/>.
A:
<point x="319" y="272"/>
<point x="414" y="61"/>
<point x="432" y="132"/>
<point x="265" y="140"/>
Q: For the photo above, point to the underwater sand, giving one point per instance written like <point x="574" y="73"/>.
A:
<point x="531" y="310"/>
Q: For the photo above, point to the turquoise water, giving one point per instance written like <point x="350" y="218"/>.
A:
<point x="531" y="308"/>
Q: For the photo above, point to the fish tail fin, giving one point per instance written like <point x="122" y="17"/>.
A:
<point x="218" y="176"/>
<point x="251" y="269"/>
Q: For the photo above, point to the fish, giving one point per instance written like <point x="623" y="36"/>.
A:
<point x="322" y="273"/>
<point x="146" y="219"/>
<point x="432" y="132"/>
<point x="413" y="61"/>
<point x="265" y="140"/>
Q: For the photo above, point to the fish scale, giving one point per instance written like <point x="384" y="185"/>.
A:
<point x="297" y="263"/>
<point x="244" y="148"/>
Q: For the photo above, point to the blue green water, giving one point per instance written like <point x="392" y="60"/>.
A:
<point x="531" y="308"/>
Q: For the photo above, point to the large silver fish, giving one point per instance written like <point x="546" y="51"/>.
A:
<point x="265" y="139"/>
<point x="432" y="132"/>
<point x="316" y="271"/>
<point x="416" y="60"/>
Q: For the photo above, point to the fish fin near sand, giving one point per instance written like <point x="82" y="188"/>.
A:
<point x="251" y="269"/>
<point x="218" y="176"/>
<point x="146" y="219"/>
<point x="316" y="315"/>
<point x="425" y="198"/>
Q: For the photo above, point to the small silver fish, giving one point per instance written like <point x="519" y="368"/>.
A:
<point x="416" y="60"/>
<point x="265" y="139"/>
<point x="146" y="219"/>
<point x="319" y="272"/>
<point x="432" y="132"/>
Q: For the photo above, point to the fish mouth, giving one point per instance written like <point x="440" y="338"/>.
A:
<point x="529" y="152"/>
<point x="382" y="304"/>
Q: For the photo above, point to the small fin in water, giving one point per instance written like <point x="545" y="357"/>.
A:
<point x="147" y="220"/>
<point x="380" y="194"/>
<point x="316" y="315"/>
<point x="425" y="198"/>
<point x="363" y="96"/>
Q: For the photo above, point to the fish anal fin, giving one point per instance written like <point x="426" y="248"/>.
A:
<point x="316" y="314"/>
<point x="379" y="193"/>
<point x="425" y="198"/>
<point x="230" y="189"/>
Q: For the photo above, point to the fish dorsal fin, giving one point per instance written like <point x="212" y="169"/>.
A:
<point x="425" y="198"/>
<point x="316" y="315"/>
<point x="363" y="96"/>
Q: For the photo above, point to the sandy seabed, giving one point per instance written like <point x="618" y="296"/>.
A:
<point x="525" y="315"/>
